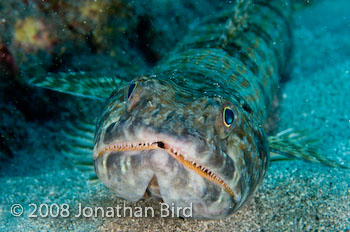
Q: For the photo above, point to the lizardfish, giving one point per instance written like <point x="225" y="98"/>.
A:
<point x="192" y="131"/>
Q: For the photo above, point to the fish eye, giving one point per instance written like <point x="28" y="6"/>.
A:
<point x="132" y="87"/>
<point x="228" y="116"/>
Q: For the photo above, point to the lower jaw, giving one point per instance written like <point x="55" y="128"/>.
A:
<point x="171" y="181"/>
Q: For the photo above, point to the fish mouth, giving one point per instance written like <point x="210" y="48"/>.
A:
<point x="175" y="153"/>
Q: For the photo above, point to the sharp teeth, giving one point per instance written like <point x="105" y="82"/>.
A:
<point x="126" y="146"/>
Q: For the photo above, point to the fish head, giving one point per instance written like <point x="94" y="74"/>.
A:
<point x="189" y="149"/>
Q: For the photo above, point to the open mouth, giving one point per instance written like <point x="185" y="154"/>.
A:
<point x="194" y="166"/>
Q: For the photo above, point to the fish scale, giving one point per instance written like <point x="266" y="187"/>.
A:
<point x="240" y="53"/>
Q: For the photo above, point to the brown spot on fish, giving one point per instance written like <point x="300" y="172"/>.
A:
<point x="245" y="83"/>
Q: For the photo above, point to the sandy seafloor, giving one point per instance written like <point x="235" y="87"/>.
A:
<point x="295" y="196"/>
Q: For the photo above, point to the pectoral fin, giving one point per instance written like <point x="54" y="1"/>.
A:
<point x="290" y="144"/>
<point x="78" y="145"/>
<point x="80" y="84"/>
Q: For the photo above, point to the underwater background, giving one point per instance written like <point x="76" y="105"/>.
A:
<point x="125" y="39"/>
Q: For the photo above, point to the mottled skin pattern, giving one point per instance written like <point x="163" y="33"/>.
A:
<point x="181" y="104"/>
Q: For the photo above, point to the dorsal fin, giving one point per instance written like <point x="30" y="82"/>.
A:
<point x="236" y="23"/>
<point x="240" y="14"/>
<point x="82" y="84"/>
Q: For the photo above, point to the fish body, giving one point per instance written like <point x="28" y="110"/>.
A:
<point x="191" y="132"/>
